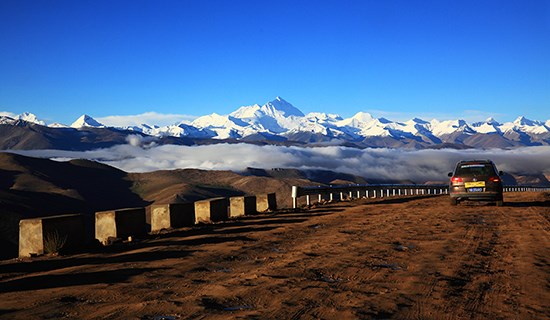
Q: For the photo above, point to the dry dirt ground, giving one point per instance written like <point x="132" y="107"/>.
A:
<point x="416" y="258"/>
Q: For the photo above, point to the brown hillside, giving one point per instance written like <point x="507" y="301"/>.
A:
<point x="33" y="187"/>
<point x="185" y="185"/>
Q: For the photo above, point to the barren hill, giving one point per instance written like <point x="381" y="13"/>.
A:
<point x="33" y="187"/>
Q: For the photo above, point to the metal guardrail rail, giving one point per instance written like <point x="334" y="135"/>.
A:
<point x="382" y="190"/>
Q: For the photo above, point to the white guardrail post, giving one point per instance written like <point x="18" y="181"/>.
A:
<point x="383" y="190"/>
<point x="294" y="197"/>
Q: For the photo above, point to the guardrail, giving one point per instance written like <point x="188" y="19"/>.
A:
<point x="382" y="190"/>
<point x="525" y="189"/>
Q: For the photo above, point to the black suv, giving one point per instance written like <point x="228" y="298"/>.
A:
<point x="476" y="180"/>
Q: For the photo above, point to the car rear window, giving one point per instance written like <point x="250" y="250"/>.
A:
<point x="474" y="169"/>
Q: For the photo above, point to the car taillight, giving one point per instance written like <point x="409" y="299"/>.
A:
<point x="494" y="179"/>
<point x="456" y="179"/>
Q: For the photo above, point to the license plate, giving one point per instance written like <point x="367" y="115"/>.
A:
<point x="475" y="184"/>
<point x="475" y="190"/>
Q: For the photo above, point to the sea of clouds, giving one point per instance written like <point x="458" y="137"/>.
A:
<point x="375" y="163"/>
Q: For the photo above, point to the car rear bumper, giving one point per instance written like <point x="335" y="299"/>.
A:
<point x="478" y="196"/>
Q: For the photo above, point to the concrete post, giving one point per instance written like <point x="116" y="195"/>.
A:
<point x="121" y="223"/>
<point x="266" y="202"/>
<point x="242" y="206"/>
<point x="61" y="233"/>
<point x="175" y="215"/>
<point x="211" y="210"/>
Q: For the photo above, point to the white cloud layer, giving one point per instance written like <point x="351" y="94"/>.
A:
<point x="160" y="119"/>
<point x="416" y="165"/>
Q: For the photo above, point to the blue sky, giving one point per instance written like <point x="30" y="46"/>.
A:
<point x="397" y="59"/>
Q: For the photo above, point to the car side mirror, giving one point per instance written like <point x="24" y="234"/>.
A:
<point x="450" y="174"/>
<point x="500" y="173"/>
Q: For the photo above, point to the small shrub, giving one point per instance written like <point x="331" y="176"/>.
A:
<point x="54" y="243"/>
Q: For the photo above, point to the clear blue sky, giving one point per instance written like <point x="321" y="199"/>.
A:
<point x="59" y="59"/>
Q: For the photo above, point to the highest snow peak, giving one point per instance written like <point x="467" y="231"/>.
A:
<point x="86" y="121"/>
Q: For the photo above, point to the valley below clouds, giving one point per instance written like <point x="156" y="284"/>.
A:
<point x="372" y="163"/>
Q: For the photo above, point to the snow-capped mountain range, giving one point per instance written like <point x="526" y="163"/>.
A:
<point x="279" y="121"/>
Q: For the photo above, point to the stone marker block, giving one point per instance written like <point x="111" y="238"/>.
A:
<point x="211" y="210"/>
<point x="266" y="202"/>
<point x="241" y="206"/>
<point x="120" y="223"/>
<point x="175" y="215"/>
<point x="63" y="232"/>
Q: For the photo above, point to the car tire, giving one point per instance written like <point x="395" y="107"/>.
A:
<point x="454" y="201"/>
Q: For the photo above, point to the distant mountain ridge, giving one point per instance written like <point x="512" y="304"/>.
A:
<point x="278" y="121"/>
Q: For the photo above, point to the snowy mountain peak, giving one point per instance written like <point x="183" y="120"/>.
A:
<point x="320" y="116"/>
<point x="279" y="105"/>
<point x="359" y="120"/>
<point x="6" y="120"/>
<point x="246" y="112"/>
<point x="29" y="117"/>
<point x="491" y="120"/>
<point x="363" y="116"/>
<point x="440" y="128"/>
<point x="527" y="125"/>
<point x="522" y="121"/>
<point x="57" y="125"/>
<point x="213" y="120"/>
<point x="488" y="126"/>
<point x="86" y="121"/>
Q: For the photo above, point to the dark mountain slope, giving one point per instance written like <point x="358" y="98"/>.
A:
<point x="29" y="136"/>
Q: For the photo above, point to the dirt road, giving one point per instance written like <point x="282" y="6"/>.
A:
<point x="415" y="258"/>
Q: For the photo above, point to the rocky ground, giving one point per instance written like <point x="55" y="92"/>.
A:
<point x="414" y="258"/>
